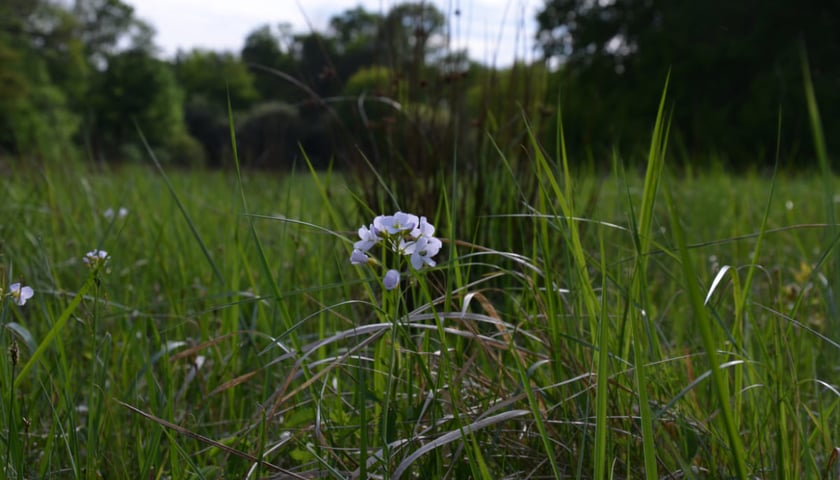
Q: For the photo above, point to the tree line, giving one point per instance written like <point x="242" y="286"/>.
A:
<point x="736" y="72"/>
<point x="86" y="76"/>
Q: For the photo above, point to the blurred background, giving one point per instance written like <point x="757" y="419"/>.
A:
<point x="410" y="84"/>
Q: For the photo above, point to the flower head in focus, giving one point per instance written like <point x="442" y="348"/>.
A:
<point x="396" y="223"/>
<point x="20" y="294"/>
<point x="369" y="237"/>
<point x="422" y="251"/>
<point x="403" y="234"/>
<point x="423" y="229"/>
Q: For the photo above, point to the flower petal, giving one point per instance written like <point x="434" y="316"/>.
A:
<point x="423" y="229"/>
<point x="20" y="294"/>
<point x="358" y="257"/>
<point x="391" y="279"/>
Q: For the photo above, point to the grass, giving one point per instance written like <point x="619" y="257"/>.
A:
<point x="620" y="326"/>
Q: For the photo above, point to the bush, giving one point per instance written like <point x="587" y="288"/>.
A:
<point x="185" y="151"/>
<point x="208" y="124"/>
<point x="269" y="135"/>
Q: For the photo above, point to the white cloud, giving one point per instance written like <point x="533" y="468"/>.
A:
<point x="493" y="30"/>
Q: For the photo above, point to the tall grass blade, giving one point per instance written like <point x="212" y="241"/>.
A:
<point x="57" y="327"/>
<point x="218" y="273"/>
<point x="701" y="316"/>
<point x="827" y="175"/>
<point x="644" y="342"/>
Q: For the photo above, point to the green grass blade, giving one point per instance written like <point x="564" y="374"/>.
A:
<point x="701" y="315"/>
<point x="603" y="373"/>
<point x="218" y="273"/>
<point x="825" y="169"/>
<point x="57" y="327"/>
<point x="644" y="343"/>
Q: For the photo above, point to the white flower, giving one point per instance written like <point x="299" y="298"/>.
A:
<point x="391" y="279"/>
<point x="358" y="257"/>
<point x="423" y="229"/>
<point x="422" y="251"/>
<point x="369" y="237"/>
<point x="404" y="234"/>
<point x="396" y="223"/>
<point x="121" y="213"/>
<point x="20" y="294"/>
<point x="96" y="258"/>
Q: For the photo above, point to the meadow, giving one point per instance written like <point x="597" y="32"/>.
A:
<point x="653" y="323"/>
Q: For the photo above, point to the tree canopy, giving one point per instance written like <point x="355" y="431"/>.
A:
<point x="83" y="73"/>
<point x="733" y="65"/>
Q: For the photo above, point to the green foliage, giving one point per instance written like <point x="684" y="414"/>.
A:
<point x="136" y="89"/>
<point x="370" y="99"/>
<point x="55" y="60"/>
<point x="34" y="115"/>
<point x="101" y="25"/>
<point x="412" y="34"/>
<point x="355" y="32"/>
<point x="269" y="135"/>
<point x="377" y="80"/>
<point x="224" y="322"/>
<point x="733" y="69"/>
<point x="215" y="77"/>
<point x="313" y="53"/>
<point x="183" y="150"/>
<point x="269" y="49"/>
<point x="207" y="122"/>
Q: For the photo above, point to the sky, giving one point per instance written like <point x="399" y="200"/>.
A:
<point x="495" y="31"/>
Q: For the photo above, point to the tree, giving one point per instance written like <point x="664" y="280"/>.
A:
<point x="412" y="34"/>
<point x="732" y="64"/>
<point x="34" y="113"/>
<point x="215" y="76"/>
<point x="208" y="79"/>
<point x="314" y="54"/>
<point x="265" y="48"/>
<point x="355" y="34"/>
<point x="136" y="87"/>
<point x="105" y="25"/>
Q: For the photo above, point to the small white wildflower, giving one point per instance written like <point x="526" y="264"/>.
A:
<point x="422" y="252"/>
<point x="121" y="213"/>
<point x="369" y="237"/>
<point x="396" y="223"/>
<point x="20" y="294"/>
<point x="789" y="205"/>
<point x="423" y="229"/>
<point x="96" y="258"/>
<point x="404" y="234"/>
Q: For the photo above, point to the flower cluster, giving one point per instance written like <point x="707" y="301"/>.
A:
<point x="402" y="233"/>
<point x="96" y="259"/>
<point x="20" y="294"/>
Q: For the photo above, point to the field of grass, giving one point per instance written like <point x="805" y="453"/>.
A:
<point x="623" y="326"/>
